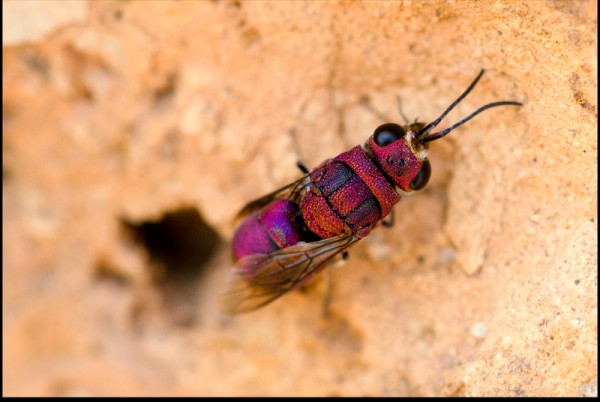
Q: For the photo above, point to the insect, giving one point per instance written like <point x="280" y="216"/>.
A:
<point x="289" y="235"/>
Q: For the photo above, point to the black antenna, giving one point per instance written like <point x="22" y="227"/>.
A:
<point x="443" y="133"/>
<point x="424" y="136"/>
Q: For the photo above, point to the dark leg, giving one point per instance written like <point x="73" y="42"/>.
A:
<point x="302" y="167"/>
<point x="367" y="103"/>
<point x="401" y="111"/>
<point x="300" y="164"/>
<point x="390" y="221"/>
<point x="328" y="284"/>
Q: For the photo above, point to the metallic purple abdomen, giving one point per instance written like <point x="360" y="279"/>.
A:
<point x="349" y="195"/>
<point x="276" y="226"/>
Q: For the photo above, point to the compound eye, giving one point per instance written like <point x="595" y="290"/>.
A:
<point x="422" y="178"/>
<point x="388" y="133"/>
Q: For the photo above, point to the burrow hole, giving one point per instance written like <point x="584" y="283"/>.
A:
<point x="180" y="246"/>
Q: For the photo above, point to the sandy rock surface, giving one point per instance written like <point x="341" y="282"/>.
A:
<point x="134" y="131"/>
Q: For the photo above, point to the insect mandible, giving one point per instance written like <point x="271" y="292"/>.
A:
<point x="289" y="235"/>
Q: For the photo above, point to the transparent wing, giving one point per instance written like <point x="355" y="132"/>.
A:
<point x="261" y="278"/>
<point x="292" y="191"/>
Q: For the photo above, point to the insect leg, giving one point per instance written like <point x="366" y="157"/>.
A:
<point x="328" y="282"/>
<point x="299" y="163"/>
<point x="303" y="167"/>
<point x="366" y="102"/>
<point x="399" y="100"/>
<point x="388" y="223"/>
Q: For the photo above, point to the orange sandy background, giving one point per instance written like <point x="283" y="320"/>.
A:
<point x="134" y="130"/>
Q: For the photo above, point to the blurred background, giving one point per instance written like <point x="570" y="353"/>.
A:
<point x="133" y="131"/>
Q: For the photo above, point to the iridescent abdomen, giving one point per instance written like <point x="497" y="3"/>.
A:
<point x="349" y="194"/>
<point x="276" y="226"/>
